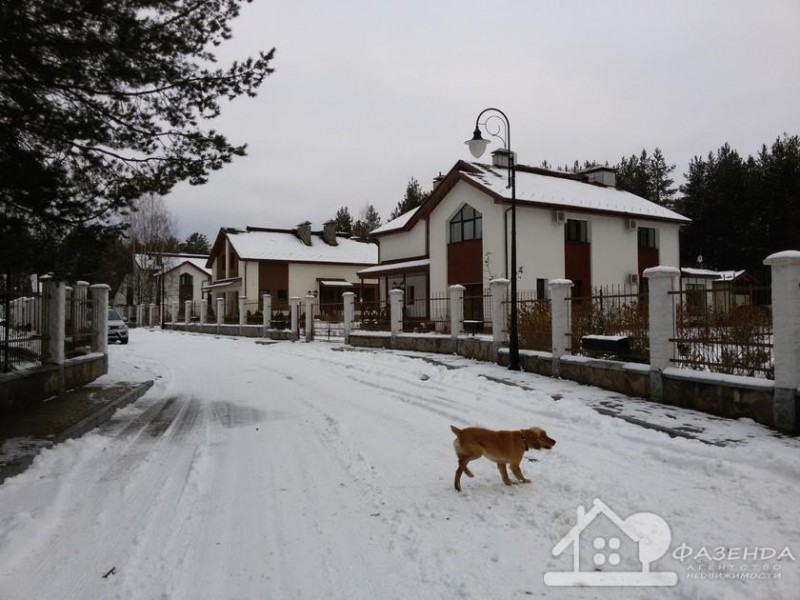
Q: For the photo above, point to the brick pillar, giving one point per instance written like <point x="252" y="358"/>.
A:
<point x="785" y="268"/>
<point x="456" y="310"/>
<point x="560" y="311"/>
<point x="54" y="293"/>
<point x="349" y="301"/>
<point x="309" y="317"/>
<point x="294" y="304"/>
<point x="662" y="281"/>
<point x="100" y="326"/>
<point x="396" y="311"/>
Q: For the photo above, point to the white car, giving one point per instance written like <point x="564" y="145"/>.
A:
<point x="117" y="329"/>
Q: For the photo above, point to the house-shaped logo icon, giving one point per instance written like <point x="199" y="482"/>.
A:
<point x="646" y="535"/>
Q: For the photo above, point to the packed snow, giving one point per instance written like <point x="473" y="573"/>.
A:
<point x="313" y="470"/>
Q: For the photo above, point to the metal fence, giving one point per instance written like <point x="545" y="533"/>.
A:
<point x="371" y="316"/>
<point x="614" y="312"/>
<point x="724" y="330"/>
<point x="78" y="323"/>
<point x="23" y="318"/>
<point x="328" y="322"/>
<point x="534" y="321"/>
<point x="424" y="315"/>
<point x="478" y="312"/>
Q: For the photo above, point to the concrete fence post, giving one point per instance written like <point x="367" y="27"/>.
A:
<point x="785" y="267"/>
<point x="309" y="317"/>
<point x="140" y="315"/>
<point x="175" y="306"/>
<point x="99" y="293"/>
<point x="187" y="312"/>
<point x="294" y="305"/>
<point x="55" y="297"/>
<point x="396" y="311"/>
<point x="266" y="312"/>
<point x="203" y="312"/>
<point x="220" y="312"/>
<point x="560" y="311"/>
<point x="242" y="313"/>
<point x="349" y="302"/>
<point x="499" y="291"/>
<point x="662" y="281"/>
<point x="154" y="314"/>
<point x="456" y="310"/>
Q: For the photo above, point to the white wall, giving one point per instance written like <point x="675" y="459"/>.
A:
<point x="303" y="277"/>
<point x="403" y="245"/>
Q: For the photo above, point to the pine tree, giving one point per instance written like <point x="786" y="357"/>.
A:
<point x="661" y="184"/>
<point x="413" y="198"/>
<point x="101" y="103"/>
<point x="344" y="222"/>
<point x="196" y="243"/>
<point x="370" y="220"/>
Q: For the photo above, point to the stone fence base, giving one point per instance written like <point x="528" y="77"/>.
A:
<point x="728" y="396"/>
<point x="32" y="386"/>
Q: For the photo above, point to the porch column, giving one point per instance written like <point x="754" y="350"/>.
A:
<point x="100" y="325"/>
<point x="54" y="297"/>
<point x="396" y="311"/>
<point x="294" y="304"/>
<point x="560" y="310"/>
<point x="662" y="281"/>
<point x="266" y="312"/>
<point x="309" y="317"/>
<point x="187" y="312"/>
<point x="456" y="310"/>
<point x="785" y="268"/>
<point x="499" y="289"/>
<point x="349" y="302"/>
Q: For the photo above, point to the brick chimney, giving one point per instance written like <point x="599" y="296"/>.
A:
<point x="329" y="233"/>
<point x="303" y="231"/>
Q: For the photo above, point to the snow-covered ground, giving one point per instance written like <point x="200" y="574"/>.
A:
<point x="297" y="470"/>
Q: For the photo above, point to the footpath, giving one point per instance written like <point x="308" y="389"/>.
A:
<point x="25" y="432"/>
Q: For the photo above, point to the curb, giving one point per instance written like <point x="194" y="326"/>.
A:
<point x="104" y="414"/>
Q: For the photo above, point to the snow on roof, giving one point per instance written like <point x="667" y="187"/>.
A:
<point x="171" y="261"/>
<point x="387" y="267"/>
<point x="285" y="245"/>
<point x="398" y="223"/>
<point x="709" y="274"/>
<point x="569" y="193"/>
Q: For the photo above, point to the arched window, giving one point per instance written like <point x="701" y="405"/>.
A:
<point x="186" y="279"/>
<point x="467" y="224"/>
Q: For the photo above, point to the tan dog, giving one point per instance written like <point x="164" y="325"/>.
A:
<point x="501" y="447"/>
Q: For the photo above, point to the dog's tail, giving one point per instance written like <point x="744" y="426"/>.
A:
<point x="455" y="430"/>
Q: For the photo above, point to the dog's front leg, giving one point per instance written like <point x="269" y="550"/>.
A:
<point x="503" y="473"/>
<point x="518" y="474"/>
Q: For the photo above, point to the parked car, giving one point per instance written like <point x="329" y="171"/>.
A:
<point x="117" y="329"/>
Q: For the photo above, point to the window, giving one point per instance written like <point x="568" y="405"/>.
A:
<point x="466" y="225"/>
<point x="648" y="238"/>
<point x="541" y="289"/>
<point x="577" y="231"/>
<point x="410" y="298"/>
<point x="186" y="280"/>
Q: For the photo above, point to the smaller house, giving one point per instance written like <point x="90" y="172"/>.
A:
<point x="286" y="263"/>
<point x="719" y="291"/>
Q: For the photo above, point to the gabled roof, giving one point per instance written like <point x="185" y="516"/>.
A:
<point x="255" y="243"/>
<point x="537" y="187"/>
<point x="170" y="261"/>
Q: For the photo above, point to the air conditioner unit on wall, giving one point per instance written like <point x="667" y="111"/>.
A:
<point x="631" y="224"/>
<point x="632" y="279"/>
<point x="559" y="216"/>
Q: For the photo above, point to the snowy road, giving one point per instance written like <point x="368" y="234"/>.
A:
<point x="299" y="471"/>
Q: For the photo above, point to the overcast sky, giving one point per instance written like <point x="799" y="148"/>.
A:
<point x="369" y="93"/>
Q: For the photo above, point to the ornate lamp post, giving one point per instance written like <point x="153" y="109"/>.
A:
<point x="477" y="146"/>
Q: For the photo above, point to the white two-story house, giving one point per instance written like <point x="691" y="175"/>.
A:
<point x="569" y="225"/>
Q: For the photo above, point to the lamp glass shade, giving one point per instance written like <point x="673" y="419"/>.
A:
<point x="477" y="145"/>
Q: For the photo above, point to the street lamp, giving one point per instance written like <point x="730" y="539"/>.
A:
<point x="477" y="146"/>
